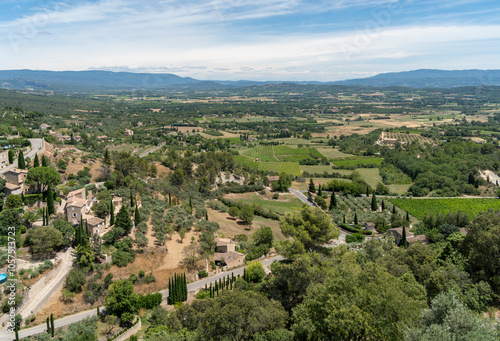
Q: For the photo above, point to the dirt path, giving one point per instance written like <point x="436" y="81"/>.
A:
<point x="43" y="290"/>
<point x="274" y="155"/>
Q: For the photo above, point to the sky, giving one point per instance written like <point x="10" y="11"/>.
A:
<point x="288" y="40"/>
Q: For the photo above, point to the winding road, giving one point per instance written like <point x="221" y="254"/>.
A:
<point x="37" y="146"/>
<point x="192" y="287"/>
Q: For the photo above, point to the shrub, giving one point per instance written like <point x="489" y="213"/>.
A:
<point x="202" y="274"/>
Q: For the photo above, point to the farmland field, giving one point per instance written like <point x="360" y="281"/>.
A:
<point x="370" y="175"/>
<point x="359" y="162"/>
<point x="332" y="153"/>
<point x="420" y="207"/>
<point x="278" y="167"/>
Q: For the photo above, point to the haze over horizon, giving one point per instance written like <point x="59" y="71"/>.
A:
<point x="294" y="40"/>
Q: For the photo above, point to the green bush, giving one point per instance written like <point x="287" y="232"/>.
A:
<point x="202" y="274"/>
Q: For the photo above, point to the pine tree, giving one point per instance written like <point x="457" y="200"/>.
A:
<point x="333" y="201"/>
<point x="312" y="188"/>
<point x="52" y="324"/>
<point x="36" y="162"/>
<point x="355" y="218"/>
<point x="320" y="192"/>
<point x="137" y="216"/>
<point x="21" y="164"/>
<point x="111" y="213"/>
<point x="123" y="219"/>
<point x="374" y="202"/>
<point x="50" y="201"/>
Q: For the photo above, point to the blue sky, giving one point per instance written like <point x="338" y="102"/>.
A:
<point x="251" y="39"/>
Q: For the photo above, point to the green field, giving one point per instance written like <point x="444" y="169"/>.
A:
<point x="359" y="162"/>
<point x="370" y="175"/>
<point x="420" y="207"/>
<point x="399" y="189"/>
<point x="277" y="167"/>
<point x="282" y="206"/>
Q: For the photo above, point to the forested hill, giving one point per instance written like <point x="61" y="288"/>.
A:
<point x="57" y="80"/>
<point x="93" y="80"/>
<point x="429" y="79"/>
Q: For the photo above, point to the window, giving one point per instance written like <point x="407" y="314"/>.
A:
<point x="74" y="215"/>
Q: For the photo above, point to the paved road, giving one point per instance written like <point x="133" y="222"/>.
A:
<point x="149" y="151"/>
<point x="301" y="197"/>
<point x="62" y="322"/>
<point x="6" y="336"/>
<point x="37" y="146"/>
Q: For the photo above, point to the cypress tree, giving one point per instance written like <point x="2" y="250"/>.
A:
<point x="206" y="215"/>
<point x="45" y="161"/>
<point x="403" y="241"/>
<point x="137" y="216"/>
<point x="333" y="201"/>
<point x="50" y="201"/>
<point x="21" y="164"/>
<point x="48" y="326"/>
<point x="36" y="162"/>
<point x="17" y="334"/>
<point x="367" y="191"/>
<point x="107" y="159"/>
<point x="343" y="219"/>
<point x="11" y="156"/>
<point x="132" y="203"/>
<point x="407" y="216"/>
<point x="393" y="209"/>
<point x="312" y="188"/>
<point x="169" y="291"/>
<point x="98" y="312"/>
<point x="43" y="216"/>
<point x="87" y="237"/>
<point x="374" y="202"/>
<point x="356" y="218"/>
<point x="320" y="192"/>
<point x="383" y="205"/>
<point x="111" y="213"/>
<point x="52" y="325"/>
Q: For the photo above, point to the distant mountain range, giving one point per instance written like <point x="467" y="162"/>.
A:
<point x="67" y="81"/>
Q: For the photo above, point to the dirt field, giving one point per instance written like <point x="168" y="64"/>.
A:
<point x="230" y="228"/>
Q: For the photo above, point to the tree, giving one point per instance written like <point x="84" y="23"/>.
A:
<point x="36" y="162"/>
<point x="121" y="299"/>
<point x="132" y="201"/>
<point x="320" y="192"/>
<point x="343" y="307"/>
<point x="85" y="257"/>
<point x="158" y="317"/>
<point x="123" y="220"/>
<point x="45" y="161"/>
<point x="374" y="202"/>
<point x="21" y="164"/>
<point x="255" y="272"/>
<point x="137" y="216"/>
<point x="43" y="176"/>
<point x="111" y="213"/>
<point x="11" y="156"/>
<point x="263" y="236"/>
<point x="100" y="209"/>
<point x="320" y="202"/>
<point x="310" y="228"/>
<point x="283" y="183"/>
<point x="111" y="321"/>
<point x="50" y="201"/>
<point x="403" y="242"/>
<point x="356" y="222"/>
<point x="43" y="240"/>
<point x="75" y="280"/>
<point x="107" y="158"/>
<point x="233" y="211"/>
<point x="247" y="214"/>
<point x="449" y="319"/>
<point x="253" y="313"/>
<point x="312" y="188"/>
<point x="66" y="229"/>
<point x="333" y="201"/>
<point x="13" y="201"/>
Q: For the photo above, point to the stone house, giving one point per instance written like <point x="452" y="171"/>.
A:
<point x="15" y="181"/>
<point x="95" y="224"/>
<point x="225" y="254"/>
<point x="74" y="210"/>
